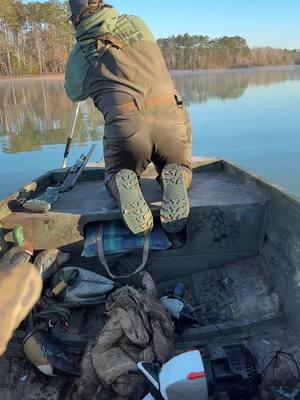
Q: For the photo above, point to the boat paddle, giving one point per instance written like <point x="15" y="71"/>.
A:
<point x="70" y="137"/>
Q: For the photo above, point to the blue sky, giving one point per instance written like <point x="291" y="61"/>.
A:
<point x="273" y="23"/>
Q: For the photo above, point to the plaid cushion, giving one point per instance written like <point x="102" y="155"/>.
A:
<point x="117" y="238"/>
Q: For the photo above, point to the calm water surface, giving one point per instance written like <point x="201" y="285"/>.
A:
<point x="249" y="116"/>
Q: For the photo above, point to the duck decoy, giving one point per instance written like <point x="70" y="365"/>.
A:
<point x="49" y="355"/>
<point x="77" y="287"/>
<point x="21" y="252"/>
<point x="179" y="309"/>
<point x="49" y="261"/>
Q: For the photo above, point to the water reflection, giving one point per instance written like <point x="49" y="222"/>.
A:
<point x="198" y="87"/>
<point x="36" y="112"/>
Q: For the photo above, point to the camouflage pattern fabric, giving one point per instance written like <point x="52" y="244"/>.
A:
<point x="139" y="328"/>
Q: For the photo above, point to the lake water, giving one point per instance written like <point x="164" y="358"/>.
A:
<point x="249" y="116"/>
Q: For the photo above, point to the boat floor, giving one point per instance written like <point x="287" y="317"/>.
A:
<point x="235" y="304"/>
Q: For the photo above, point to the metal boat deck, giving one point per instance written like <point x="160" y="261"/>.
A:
<point x="239" y="258"/>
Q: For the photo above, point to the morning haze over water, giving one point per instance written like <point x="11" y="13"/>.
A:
<point x="249" y="116"/>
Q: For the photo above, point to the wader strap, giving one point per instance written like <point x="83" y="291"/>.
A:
<point x="150" y="102"/>
<point x="103" y="261"/>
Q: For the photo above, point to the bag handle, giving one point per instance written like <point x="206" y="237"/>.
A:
<point x="103" y="261"/>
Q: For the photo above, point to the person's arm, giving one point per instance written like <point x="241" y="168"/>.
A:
<point x="76" y="71"/>
<point x="20" y="287"/>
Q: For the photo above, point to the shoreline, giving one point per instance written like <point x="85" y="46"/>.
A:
<point x="174" y="71"/>
<point x="232" y="69"/>
<point x="47" y="76"/>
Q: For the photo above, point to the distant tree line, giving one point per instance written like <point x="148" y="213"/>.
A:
<point x="36" y="38"/>
<point x="200" y="52"/>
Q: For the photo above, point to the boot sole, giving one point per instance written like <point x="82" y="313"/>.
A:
<point x="135" y="211"/>
<point x="175" y="206"/>
<point x="20" y="289"/>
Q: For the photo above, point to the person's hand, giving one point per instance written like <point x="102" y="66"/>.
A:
<point x="20" y="289"/>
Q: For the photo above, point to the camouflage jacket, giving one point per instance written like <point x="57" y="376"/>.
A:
<point x="116" y="58"/>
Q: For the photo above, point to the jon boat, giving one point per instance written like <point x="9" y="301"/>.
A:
<point x="239" y="258"/>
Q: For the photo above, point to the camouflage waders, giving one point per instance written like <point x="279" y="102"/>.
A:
<point x="118" y="63"/>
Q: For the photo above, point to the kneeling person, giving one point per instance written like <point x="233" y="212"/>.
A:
<point x="118" y="63"/>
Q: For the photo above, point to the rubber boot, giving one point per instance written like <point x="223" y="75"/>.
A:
<point x="175" y="208"/>
<point x="135" y="211"/>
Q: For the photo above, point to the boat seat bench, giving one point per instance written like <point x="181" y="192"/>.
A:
<point x="225" y="223"/>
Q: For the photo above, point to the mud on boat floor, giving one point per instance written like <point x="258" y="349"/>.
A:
<point x="234" y="304"/>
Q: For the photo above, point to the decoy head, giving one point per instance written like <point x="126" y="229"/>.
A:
<point x="19" y="239"/>
<point x="18" y="235"/>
